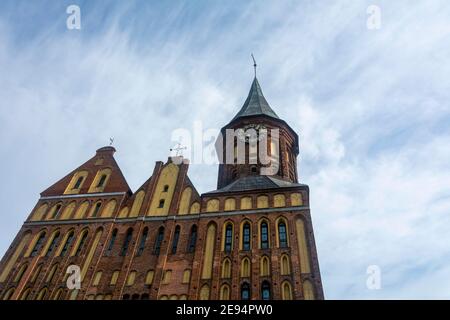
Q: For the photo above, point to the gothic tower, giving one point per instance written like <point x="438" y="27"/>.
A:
<point x="251" y="238"/>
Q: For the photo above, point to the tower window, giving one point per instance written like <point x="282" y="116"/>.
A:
<point x="78" y="183"/>
<point x="265" y="290"/>
<point x="161" y="203"/>
<point x="176" y="236"/>
<point x="264" y="235"/>
<point x="166" y="188"/>
<point x="192" y="239"/>
<point x="245" y="291"/>
<point x="282" y="236"/>
<point x="126" y="243"/>
<point x="228" y="238"/>
<point x="246" y="236"/>
<point x="102" y="180"/>
<point x="158" y="241"/>
<point x="254" y="169"/>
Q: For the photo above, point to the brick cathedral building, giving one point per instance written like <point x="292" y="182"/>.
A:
<point x="252" y="238"/>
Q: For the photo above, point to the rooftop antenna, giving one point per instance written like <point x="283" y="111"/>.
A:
<point x="178" y="149"/>
<point x="254" y="64"/>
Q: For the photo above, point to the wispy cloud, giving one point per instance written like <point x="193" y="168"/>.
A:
<point x="371" y="109"/>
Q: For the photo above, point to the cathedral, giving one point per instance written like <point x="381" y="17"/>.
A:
<point x="89" y="237"/>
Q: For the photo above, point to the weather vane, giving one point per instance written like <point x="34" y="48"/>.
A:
<point x="254" y="64"/>
<point x="178" y="149"/>
<point x="111" y="141"/>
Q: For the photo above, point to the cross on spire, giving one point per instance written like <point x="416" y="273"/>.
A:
<point x="111" y="141"/>
<point x="178" y="149"/>
<point x="254" y="64"/>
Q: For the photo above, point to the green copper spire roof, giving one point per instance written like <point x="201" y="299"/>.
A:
<point x="255" y="104"/>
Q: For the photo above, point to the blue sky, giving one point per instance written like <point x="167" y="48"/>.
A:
<point x="371" y="108"/>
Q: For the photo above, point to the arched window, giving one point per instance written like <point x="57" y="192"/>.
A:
<point x="145" y="296"/>
<point x="167" y="276"/>
<point x="52" y="273"/>
<point x="126" y="297"/>
<point x="245" y="268"/>
<point x="176" y="236"/>
<point x="57" y="211"/>
<point x="161" y="203"/>
<point x="81" y="243"/>
<point x="246" y="236"/>
<point x="38" y="245"/>
<point x="192" y="239"/>
<point x="96" y="209"/>
<point x="21" y="272"/>
<point x="264" y="235"/>
<point x="149" y="277"/>
<point x="228" y="238"/>
<point x="111" y="242"/>
<point x="225" y="292"/>
<point x="126" y="243"/>
<point x="9" y="294"/>
<point x="131" y="278"/>
<point x="158" y="242"/>
<point x="286" y="291"/>
<point x="282" y="234"/>
<point x="265" y="290"/>
<point x="78" y="183"/>
<point x="204" y="292"/>
<point x="25" y="294"/>
<point x="53" y="244"/>
<point x="41" y="295"/>
<point x="264" y="267"/>
<point x="186" y="276"/>
<point x="166" y="188"/>
<point x="67" y="243"/>
<point x="142" y="243"/>
<point x="285" y="267"/>
<point x="245" y="291"/>
<point x="97" y="278"/>
<point x="226" y="268"/>
<point x="102" y="180"/>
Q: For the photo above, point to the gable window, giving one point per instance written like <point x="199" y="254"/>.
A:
<point x="53" y="244"/>
<point x="176" y="237"/>
<point x="166" y="188"/>
<point x="81" y="244"/>
<point x="96" y="209"/>
<point x="158" y="241"/>
<point x="67" y="244"/>
<point x="161" y="203"/>
<point x="102" y="180"/>
<point x="142" y="243"/>
<point x="78" y="183"/>
<point x="56" y="212"/>
<point x="126" y="243"/>
<point x="192" y="239"/>
<point x="38" y="245"/>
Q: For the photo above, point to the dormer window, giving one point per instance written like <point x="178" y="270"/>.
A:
<point x="161" y="203"/>
<point x="166" y="188"/>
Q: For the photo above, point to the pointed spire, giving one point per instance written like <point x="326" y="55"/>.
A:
<point x="256" y="104"/>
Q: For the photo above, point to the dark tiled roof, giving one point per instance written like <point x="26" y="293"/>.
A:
<point x="256" y="183"/>
<point x="255" y="104"/>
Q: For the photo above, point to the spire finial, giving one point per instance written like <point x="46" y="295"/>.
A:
<point x="254" y="64"/>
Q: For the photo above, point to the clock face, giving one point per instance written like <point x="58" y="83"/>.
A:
<point x="247" y="131"/>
